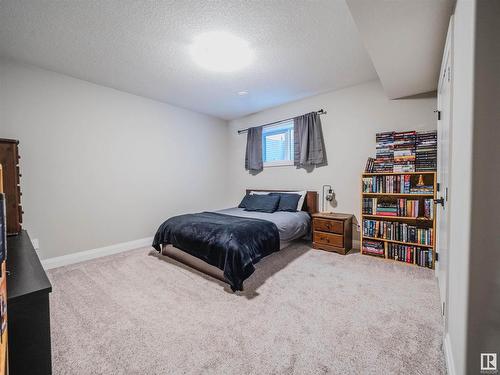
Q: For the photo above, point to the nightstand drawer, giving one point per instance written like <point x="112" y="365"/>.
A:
<point x="325" y="225"/>
<point x="328" y="239"/>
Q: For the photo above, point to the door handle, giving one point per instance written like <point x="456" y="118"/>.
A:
<point x="439" y="201"/>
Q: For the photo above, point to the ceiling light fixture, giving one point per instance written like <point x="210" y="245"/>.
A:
<point x="242" y="93"/>
<point x="220" y="51"/>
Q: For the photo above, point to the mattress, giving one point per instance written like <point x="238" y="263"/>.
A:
<point x="291" y="225"/>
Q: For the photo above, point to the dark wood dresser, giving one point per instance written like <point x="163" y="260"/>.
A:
<point x="9" y="159"/>
<point x="28" y="289"/>
<point x="332" y="232"/>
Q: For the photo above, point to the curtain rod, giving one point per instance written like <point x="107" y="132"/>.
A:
<point x="320" y="112"/>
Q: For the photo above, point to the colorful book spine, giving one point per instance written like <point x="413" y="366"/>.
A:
<point x="396" y="231"/>
<point x="373" y="247"/>
<point x="399" y="184"/>
<point x="426" y="151"/>
<point x="407" y="151"/>
<point x="422" y="257"/>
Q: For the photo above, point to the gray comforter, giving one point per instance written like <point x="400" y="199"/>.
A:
<point x="291" y="225"/>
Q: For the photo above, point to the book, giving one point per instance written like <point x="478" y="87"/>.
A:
<point x="402" y="253"/>
<point x="400" y="184"/>
<point x="406" y="151"/>
<point x="369" y="205"/>
<point x="426" y="151"/>
<point x="397" y="231"/>
<point x="373" y="247"/>
<point x="369" y="165"/>
<point x="384" y="159"/>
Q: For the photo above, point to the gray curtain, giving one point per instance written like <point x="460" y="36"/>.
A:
<point x="309" y="145"/>
<point x="253" y="156"/>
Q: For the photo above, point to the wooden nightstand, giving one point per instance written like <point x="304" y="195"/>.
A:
<point x="332" y="232"/>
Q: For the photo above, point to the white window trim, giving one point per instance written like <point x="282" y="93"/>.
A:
<point x="278" y="163"/>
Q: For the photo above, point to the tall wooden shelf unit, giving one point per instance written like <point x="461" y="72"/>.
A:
<point x="430" y="179"/>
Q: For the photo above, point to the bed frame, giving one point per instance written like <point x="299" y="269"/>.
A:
<point x="310" y="206"/>
<point x="310" y="203"/>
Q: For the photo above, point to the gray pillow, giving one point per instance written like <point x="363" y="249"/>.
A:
<point x="262" y="203"/>
<point x="288" y="201"/>
<point x="244" y="201"/>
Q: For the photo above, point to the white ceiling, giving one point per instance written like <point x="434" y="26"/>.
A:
<point x="301" y="48"/>
<point x="405" y="40"/>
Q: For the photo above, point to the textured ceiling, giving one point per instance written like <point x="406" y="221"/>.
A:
<point x="301" y="48"/>
<point x="405" y="40"/>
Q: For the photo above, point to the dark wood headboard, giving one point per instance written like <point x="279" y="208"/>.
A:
<point x="310" y="203"/>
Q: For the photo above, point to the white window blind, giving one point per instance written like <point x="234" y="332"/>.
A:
<point x="277" y="144"/>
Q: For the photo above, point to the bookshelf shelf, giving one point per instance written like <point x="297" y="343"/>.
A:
<point x="381" y="256"/>
<point x="407" y="252"/>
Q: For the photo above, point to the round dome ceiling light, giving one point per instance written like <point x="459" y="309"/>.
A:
<point x="220" y="51"/>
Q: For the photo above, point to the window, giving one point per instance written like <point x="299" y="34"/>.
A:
<point x="277" y="144"/>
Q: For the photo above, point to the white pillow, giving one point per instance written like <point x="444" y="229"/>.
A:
<point x="300" y="203"/>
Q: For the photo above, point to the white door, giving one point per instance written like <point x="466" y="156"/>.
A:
<point x="444" y="126"/>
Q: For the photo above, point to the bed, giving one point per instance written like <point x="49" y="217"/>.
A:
<point x="226" y="244"/>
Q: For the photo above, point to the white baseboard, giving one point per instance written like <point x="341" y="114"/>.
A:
<point x="81" y="256"/>
<point x="450" y="363"/>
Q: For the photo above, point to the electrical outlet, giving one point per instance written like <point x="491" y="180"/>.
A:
<point x="35" y="243"/>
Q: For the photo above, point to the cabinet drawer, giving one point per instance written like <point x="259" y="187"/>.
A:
<point x="328" y="239"/>
<point x="334" y="226"/>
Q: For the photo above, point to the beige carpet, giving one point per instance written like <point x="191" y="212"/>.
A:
<point x="304" y="311"/>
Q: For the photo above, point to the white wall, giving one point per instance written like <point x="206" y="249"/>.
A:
<point x="474" y="276"/>
<point x="101" y="166"/>
<point x="355" y="114"/>
<point x="460" y="184"/>
<point x="483" y="327"/>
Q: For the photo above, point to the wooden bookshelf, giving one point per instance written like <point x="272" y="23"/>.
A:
<point x="418" y="222"/>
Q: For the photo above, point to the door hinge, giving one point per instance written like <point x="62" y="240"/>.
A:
<point x="437" y="257"/>
<point x="446" y="194"/>
<point x="438" y="114"/>
<point x="442" y="311"/>
<point x="438" y="185"/>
